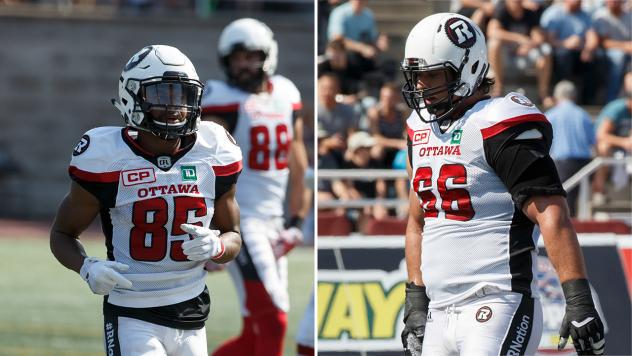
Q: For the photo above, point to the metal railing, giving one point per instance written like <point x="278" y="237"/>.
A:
<point x="581" y="178"/>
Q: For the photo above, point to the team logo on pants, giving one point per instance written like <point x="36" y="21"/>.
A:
<point x="483" y="314"/>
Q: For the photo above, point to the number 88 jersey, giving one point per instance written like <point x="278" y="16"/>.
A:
<point x="262" y="124"/>
<point x="474" y="235"/>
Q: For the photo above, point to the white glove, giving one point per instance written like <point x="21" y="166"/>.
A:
<point x="102" y="277"/>
<point x="206" y="244"/>
<point x="288" y="239"/>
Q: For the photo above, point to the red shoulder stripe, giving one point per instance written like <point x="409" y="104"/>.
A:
<point x="297" y="106"/>
<point x="104" y="177"/>
<point x="505" y="124"/>
<point x="220" y="109"/>
<point x="228" y="169"/>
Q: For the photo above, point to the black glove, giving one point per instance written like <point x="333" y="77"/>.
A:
<point x="415" y="314"/>
<point x="581" y="320"/>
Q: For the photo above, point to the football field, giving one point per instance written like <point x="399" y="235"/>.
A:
<point x="46" y="309"/>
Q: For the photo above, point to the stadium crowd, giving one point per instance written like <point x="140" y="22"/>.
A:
<point x="574" y="54"/>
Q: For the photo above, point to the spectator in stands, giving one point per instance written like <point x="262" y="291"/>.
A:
<point x="613" y="134"/>
<point x="335" y="120"/>
<point x="336" y="61"/>
<point x="613" y="25"/>
<point x="359" y="156"/>
<point x="480" y="11"/>
<point x="354" y="23"/>
<point x="569" y="30"/>
<point x="573" y="136"/>
<point x="387" y="124"/>
<point x="515" y="38"/>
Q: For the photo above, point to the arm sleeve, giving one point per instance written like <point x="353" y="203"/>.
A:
<point x="520" y="157"/>
<point x="227" y="165"/>
<point x="90" y="167"/>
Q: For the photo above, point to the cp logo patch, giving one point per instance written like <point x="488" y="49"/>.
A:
<point x="483" y="314"/>
<point x="460" y="32"/>
<point x="82" y="146"/>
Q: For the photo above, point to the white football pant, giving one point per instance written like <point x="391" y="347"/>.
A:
<point x="503" y="323"/>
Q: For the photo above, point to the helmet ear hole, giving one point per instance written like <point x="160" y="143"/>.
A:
<point x="124" y="101"/>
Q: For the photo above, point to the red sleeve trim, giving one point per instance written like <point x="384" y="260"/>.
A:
<point x="297" y="106"/>
<point x="105" y="177"/>
<point x="228" y="169"/>
<point x="220" y="109"/>
<point x="506" y="124"/>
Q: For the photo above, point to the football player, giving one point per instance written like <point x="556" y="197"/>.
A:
<point x="164" y="187"/>
<point x="261" y="110"/>
<point x="483" y="189"/>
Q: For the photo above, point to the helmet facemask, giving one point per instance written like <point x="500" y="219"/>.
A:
<point x="441" y="106"/>
<point x="170" y="105"/>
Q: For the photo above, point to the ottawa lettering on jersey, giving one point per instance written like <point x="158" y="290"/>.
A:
<point x="440" y="151"/>
<point x="168" y="189"/>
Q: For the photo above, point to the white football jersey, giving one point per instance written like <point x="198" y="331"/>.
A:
<point x="144" y="201"/>
<point x="264" y="132"/>
<point x="474" y="236"/>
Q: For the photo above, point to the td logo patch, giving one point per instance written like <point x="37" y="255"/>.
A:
<point x="460" y="32"/>
<point x="82" y="146"/>
<point x="456" y="137"/>
<point x="189" y="173"/>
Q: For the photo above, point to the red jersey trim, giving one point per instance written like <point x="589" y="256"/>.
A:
<point x="410" y="132"/>
<point x="220" y="109"/>
<point x="506" y="124"/>
<point x="228" y="169"/>
<point x="104" y="177"/>
<point x="297" y="106"/>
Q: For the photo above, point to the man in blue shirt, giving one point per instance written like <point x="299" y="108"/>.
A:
<point x="574" y="42"/>
<point x="354" y="23"/>
<point x="573" y="136"/>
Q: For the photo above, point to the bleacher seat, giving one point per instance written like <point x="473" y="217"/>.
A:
<point x="386" y="226"/>
<point x="612" y="226"/>
<point x="332" y="224"/>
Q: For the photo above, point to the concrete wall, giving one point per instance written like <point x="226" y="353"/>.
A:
<point x="57" y="77"/>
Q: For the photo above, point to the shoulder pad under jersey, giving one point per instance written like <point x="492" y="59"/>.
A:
<point x="94" y="156"/>
<point x="225" y="154"/>
<point x="220" y="98"/>
<point x="286" y="88"/>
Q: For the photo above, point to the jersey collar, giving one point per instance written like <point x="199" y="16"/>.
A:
<point x="162" y="161"/>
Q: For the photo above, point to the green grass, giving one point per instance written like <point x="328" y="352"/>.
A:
<point x="46" y="309"/>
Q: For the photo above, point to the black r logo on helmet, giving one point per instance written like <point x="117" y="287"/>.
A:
<point x="460" y="32"/>
<point x="137" y="58"/>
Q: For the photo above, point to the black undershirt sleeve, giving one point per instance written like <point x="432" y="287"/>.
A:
<point x="104" y="192"/>
<point x="224" y="184"/>
<point x="524" y="165"/>
<point x="409" y="145"/>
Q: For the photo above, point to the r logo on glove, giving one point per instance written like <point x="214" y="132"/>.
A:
<point x="205" y="245"/>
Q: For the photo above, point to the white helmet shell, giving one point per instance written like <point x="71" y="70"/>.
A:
<point x="152" y="64"/>
<point x="253" y="35"/>
<point x="453" y="40"/>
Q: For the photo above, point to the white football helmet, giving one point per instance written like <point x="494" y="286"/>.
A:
<point x="250" y="35"/>
<point x="439" y="42"/>
<point x="160" y="92"/>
